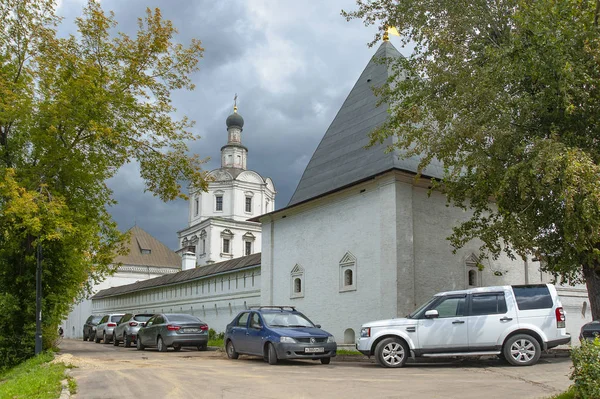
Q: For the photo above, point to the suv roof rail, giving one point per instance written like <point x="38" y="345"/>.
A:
<point x="273" y="307"/>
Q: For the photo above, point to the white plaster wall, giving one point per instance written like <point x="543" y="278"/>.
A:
<point x="73" y="324"/>
<point x="317" y="238"/>
<point x="216" y="300"/>
<point x="437" y="268"/>
<point x="234" y="199"/>
<point x="398" y="235"/>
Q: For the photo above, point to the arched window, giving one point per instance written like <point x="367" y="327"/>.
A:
<point x="348" y="277"/>
<point x="349" y="336"/>
<point x="473" y="272"/>
<point x="348" y="272"/>
<point x="297" y="285"/>
<point x="297" y="282"/>
<point x="472" y="277"/>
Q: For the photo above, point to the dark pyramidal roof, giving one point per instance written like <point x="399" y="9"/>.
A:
<point x="341" y="159"/>
<point x="183" y="276"/>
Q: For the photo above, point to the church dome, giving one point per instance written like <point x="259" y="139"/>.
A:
<point x="235" y="119"/>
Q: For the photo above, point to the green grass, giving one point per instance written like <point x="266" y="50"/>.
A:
<point x="216" y="342"/>
<point x="347" y="352"/>
<point x="568" y="394"/>
<point x="34" y="378"/>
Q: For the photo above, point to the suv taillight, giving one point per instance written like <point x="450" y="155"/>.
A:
<point x="133" y="323"/>
<point x="173" y="328"/>
<point x="111" y="325"/>
<point x="560" y="318"/>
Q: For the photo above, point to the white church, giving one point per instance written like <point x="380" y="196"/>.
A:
<point x="360" y="239"/>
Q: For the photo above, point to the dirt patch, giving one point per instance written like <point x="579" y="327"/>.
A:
<point x="75" y="361"/>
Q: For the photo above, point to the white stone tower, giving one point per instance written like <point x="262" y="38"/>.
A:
<point x="218" y="227"/>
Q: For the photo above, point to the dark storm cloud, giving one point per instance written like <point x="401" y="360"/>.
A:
<point x="291" y="63"/>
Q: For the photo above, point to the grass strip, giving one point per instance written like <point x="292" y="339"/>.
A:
<point x="34" y="378"/>
<point x="216" y="342"/>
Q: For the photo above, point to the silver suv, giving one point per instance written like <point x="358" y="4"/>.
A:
<point x="106" y="327"/>
<point x="513" y="322"/>
<point x="127" y="329"/>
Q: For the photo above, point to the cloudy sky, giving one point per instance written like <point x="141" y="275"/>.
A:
<point x="292" y="64"/>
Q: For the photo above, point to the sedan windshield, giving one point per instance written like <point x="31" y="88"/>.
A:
<point x="286" y="320"/>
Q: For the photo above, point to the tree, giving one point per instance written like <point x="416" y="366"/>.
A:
<point x="506" y="94"/>
<point x="73" y="110"/>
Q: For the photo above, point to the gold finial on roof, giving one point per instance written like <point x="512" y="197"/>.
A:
<point x="390" y="30"/>
<point x="235" y="103"/>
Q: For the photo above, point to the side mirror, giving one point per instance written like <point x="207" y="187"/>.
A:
<point x="432" y="314"/>
<point x="318" y="325"/>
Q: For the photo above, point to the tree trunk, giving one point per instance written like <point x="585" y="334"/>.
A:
<point x="592" y="281"/>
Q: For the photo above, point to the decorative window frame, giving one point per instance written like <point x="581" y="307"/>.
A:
<point x="297" y="273"/>
<point x="248" y="237"/>
<point x="203" y="242"/>
<point x="472" y="267"/>
<point x="221" y="194"/>
<point x="227" y="235"/>
<point x="248" y="195"/>
<point x="347" y="263"/>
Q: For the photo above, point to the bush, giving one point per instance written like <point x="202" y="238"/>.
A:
<point x="213" y="335"/>
<point x="586" y="370"/>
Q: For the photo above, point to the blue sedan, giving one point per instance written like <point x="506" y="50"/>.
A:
<point x="278" y="332"/>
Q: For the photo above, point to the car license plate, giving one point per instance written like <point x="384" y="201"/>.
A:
<point x="191" y="330"/>
<point x="314" y="350"/>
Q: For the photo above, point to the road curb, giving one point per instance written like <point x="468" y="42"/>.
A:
<point x="65" y="393"/>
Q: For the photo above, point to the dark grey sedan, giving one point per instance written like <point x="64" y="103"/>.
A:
<point x="590" y="330"/>
<point x="173" y="329"/>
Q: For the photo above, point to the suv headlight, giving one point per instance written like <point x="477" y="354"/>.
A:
<point x="331" y="339"/>
<point x="365" y="332"/>
<point x="287" y="340"/>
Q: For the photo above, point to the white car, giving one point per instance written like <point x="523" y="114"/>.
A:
<point x="514" y="322"/>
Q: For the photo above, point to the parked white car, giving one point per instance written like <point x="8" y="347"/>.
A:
<point x="514" y="322"/>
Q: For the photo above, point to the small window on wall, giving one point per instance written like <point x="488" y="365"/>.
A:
<point x="348" y="273"/>
<point x="219" y="203"/>
<point x="248" y="204"/>
<point x="196" y="206"/>
<point x="297" y="282"/>
<point x="226" y="243"/>
<point x="247" y="248"/>
<point x="473" y="273"/>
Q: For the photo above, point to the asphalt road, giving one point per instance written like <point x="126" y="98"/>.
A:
<point x="104" y="371"/>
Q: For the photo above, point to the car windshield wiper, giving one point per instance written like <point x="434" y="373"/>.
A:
<point x="299" y="325"/>
<point x="277" y="325"/>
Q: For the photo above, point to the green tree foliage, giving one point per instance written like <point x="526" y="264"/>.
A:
<point x="505" y="93"/>
<point x="586" y="369"/>
<point x="73" y="110"/>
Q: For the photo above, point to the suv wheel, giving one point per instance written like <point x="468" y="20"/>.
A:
<point x="161" y="345"/>
<point x="391" y="352"/>
<point x="126" y="341"/>
<point x="522" y="350"/>
<point x="231" y="353"/>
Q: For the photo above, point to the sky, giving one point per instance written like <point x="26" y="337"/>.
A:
<point x="291" y="63"/>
